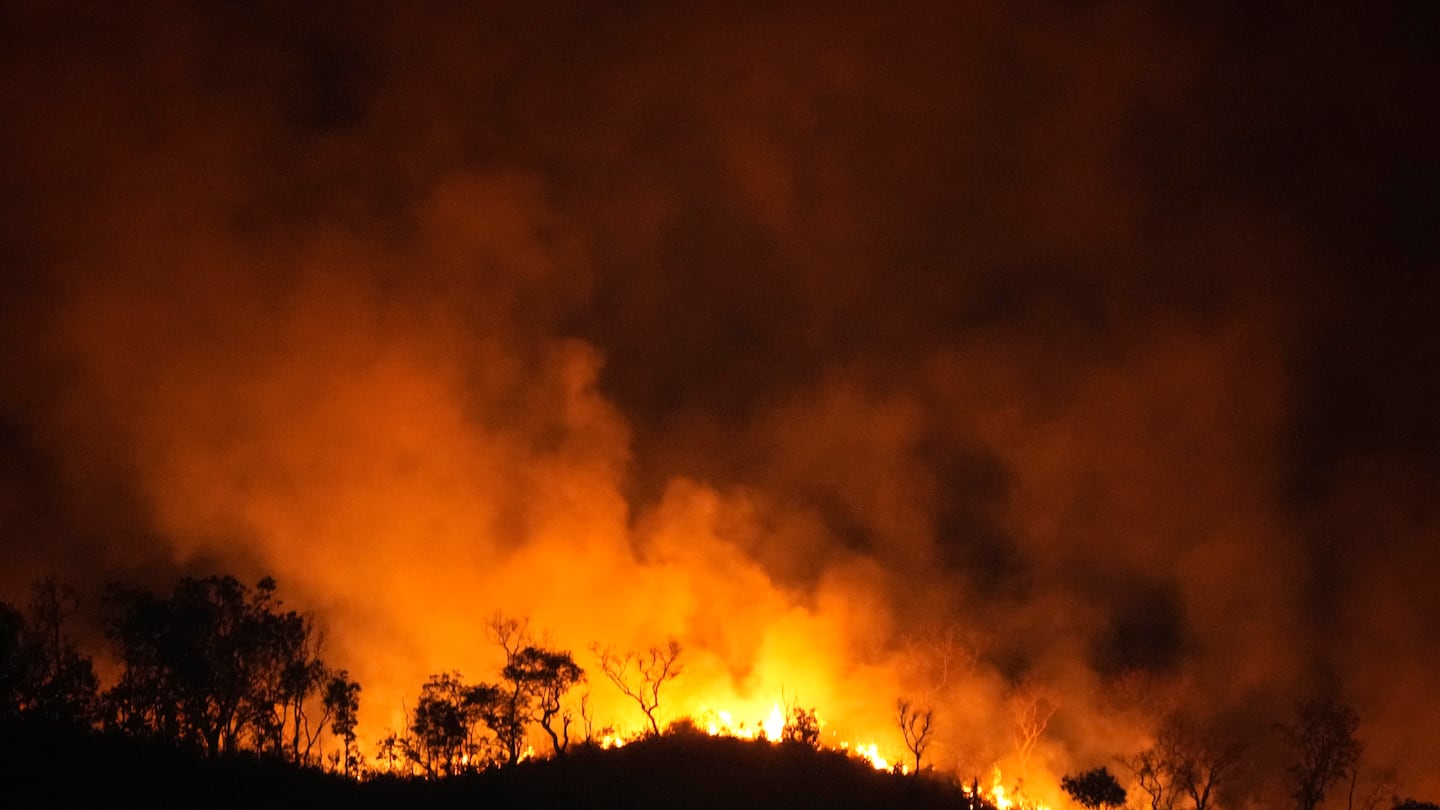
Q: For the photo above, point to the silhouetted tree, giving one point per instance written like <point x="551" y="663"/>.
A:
<point x="210" y="665"/>
<point x="42" y="675"/>
<point x="589" y="731"/>
<point x="1415" y="804"/>
<point x="392" y="750"/>
<point x="439" y="724"/>
<point x="342" y="700"/>
<point x="546" y="675"/>
<point x="915" y="726"/>
<point x="640" y="675"/>
<point x="803" y="727"/>
<point x="447" y="723"/>
<point x="303" y="681"/>
<point x="1155" y="777"/>
<point x="511" y="715"/>
<point x="291" y="683"/>
<point x="1186" y="760"/>
<point x="1382" y="787"/>
<point x="1094" y="788"/>
<point x="1323" y="741"/>
<point x="1204" y="759"/>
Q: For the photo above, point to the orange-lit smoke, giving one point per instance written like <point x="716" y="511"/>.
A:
<point x="869" y="355"/>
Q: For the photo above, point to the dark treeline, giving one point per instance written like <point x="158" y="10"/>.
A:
<point x="1198" y="766"/>
<point x="227" y="695"/>
<point x="215" y="667"/>
<point x="222" y="697"/>
<point x="458" y="727"/>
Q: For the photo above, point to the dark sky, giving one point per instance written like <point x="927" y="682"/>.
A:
<point x="1105" y="332"/>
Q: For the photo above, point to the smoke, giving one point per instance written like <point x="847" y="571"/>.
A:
<point x="834" y="342"/>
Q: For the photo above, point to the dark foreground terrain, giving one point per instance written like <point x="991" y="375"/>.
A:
<point x="689" y="771"/>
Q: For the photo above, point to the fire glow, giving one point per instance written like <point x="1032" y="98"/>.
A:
<point x="923" y="350"/>
<point x="722" y="723"/>
<point x="837" y="650"/>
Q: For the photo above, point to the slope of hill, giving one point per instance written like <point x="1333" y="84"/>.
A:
<point x="691" y="771"/>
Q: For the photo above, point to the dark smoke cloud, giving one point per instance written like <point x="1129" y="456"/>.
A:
<point x="1106" y="331"/>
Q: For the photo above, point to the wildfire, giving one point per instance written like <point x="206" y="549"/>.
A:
<point x="774" y="725"/>
<point x="721" y="723"/>
<point x="868" y="752"/>
<point x="999" y="796"/>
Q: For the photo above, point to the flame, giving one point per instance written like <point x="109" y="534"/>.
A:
<point x="721" y="723"/>
<point x="774" y="724"/>
<point x="998" y="798"/>
<point x="998" y="795"/>
<point x="871" y="753"/>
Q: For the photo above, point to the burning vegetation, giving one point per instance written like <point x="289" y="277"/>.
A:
<point x="990" y="392"/>
<point x="222" y="670"/>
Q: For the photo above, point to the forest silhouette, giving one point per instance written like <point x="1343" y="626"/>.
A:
<point x="223" y="698"/>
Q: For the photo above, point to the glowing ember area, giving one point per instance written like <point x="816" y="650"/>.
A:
<point x="870" y="753"/>
<point x="774" y="724"/>
<point x="722" y="724"/>
<point x="997" y="794"/>
<point x="774" y="727"/>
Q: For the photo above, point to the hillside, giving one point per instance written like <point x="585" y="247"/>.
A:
<point x="693" y="771"/>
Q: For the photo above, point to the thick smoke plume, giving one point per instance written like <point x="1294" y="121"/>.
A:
<point x="942" y="349"/>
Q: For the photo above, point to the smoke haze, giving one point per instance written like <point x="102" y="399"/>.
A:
<point x="1099" y="342"/>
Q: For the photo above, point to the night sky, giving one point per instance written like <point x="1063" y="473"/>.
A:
<point x="1104" y="334"/>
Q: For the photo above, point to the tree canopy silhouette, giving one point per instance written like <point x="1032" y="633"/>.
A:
<point x="1094" y="788"/>
<point x="449" y="724"/>
<point x="510" y="715"/>
<point x="915" y="726"/>
<point x="640" y="675"/>
<point x="342" y="700"/>
<point x="1187" y="759"/>
<point x="1322" y="739"/>
<point x="214" y="666"/>
<point x="546" y="676"/>
<point x="42" y="675"/>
